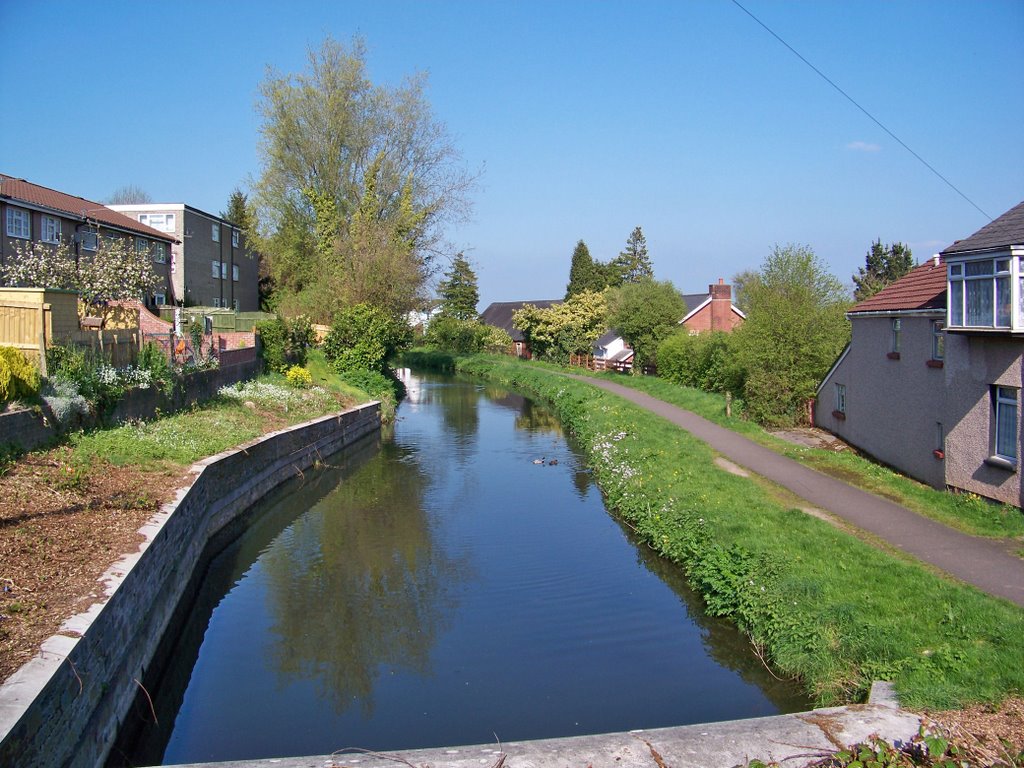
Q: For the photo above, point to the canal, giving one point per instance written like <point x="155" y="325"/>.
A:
<point x="441" y="586"/>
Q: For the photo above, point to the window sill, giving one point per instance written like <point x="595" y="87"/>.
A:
<point x="893" y="355"/>
<point x="933" y="363"/>
<point x="1001" y="463"/>
<point x="839" y="415"/>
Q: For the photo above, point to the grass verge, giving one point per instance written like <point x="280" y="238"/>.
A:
<point x="816" y="603"/>
<point x="963" y="511"/>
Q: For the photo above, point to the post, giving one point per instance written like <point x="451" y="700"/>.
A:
<point x="728" y="405"/>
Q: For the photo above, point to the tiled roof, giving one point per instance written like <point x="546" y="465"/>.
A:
<point x="499" y="314"/>
<point x="1004" y="231"/>
<point x="924" y="287"/>
<point x="74" y="207"/>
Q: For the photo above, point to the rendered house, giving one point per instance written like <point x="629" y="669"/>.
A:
<point x="33" y="213"/>
<point x="211" y="265"/>
<point x="931" y="380"/>
<point x="499" y="314"/>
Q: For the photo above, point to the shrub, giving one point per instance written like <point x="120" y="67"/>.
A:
<point x="284" y="342"/>
<point x="152" y="358"/>
<point x="68" y="407"/>
<point x="274" y="343"/>
<point x="299" y="377"/>
<point x="364" y="338"/>
<point x="378" y="386"/>
<point x="461" y="337"/>
<point x="19" y="378"/>
<point x="704" y="361"/>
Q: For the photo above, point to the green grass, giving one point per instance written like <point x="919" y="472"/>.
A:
<point x="964" y="511"/>
<point x="821" y="605"/>
<point x="220" y="424"/>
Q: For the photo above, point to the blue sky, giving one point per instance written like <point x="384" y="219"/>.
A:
<point x="586" y="119"/>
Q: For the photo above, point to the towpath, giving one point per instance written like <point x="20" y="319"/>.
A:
<point x="987" y="564"/>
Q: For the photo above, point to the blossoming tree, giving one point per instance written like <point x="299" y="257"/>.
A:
<point x="115" y="271"/>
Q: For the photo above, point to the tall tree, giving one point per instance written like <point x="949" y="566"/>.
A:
<point x="795" y="329"/>
<point x="129" y="194"/>
<point x="645" y="312"/>
<point x="361" y="179"/>
<point x="633" y="264"/>
<point x="237" y="211"/>
<point x="584" y="274"/>
<point x="883" y="265"/>
<point x="459" y="292"/>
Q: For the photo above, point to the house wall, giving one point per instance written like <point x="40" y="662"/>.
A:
<point x="7" y="244"/>
<point x="973" y="365"/>
<point x="714" y="318"/>
<point x="892" y="405"/>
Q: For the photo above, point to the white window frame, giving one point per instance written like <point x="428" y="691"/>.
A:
<point x="996" y="281"/>
<point x="19" y="223"/>
<point x="234" y="273"/>
<point x="1004" y="435"/>
<point x="216" y="302"/>
<point x="897" y="333"/>
<point x="215" y="232"/>
<point x="234" y="238"/>
<point x="160" y="253"/>
<point x="841" y="398"/>
<point x="215" y="269"/>
<point x="141" y="245"/>
<point x="235" y="305"/>
<point x="90" y="240"/>
<point x="164" y="222"/>
<point x="49" y="229"/>
<point x="223" y="270"/>
<point x="159" y="299"/>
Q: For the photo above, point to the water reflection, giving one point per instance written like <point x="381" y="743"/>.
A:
<point x="358" y="585"/>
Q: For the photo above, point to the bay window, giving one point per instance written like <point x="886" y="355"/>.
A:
<point x="981" y="293"/>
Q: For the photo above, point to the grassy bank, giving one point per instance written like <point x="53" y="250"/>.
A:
<point x="817" y="603"/>
<point x="240" y="413"/>
<point x="964" y="511"/>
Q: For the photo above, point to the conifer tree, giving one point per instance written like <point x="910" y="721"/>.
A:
<point x="584" y="274"/>
<point x="633" y="264"/>
<point x="883" y="265"/>
<point x="459" y="293"/>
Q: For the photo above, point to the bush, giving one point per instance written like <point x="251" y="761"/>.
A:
<point x="364" y="338"/>
<point x="704" y="361"/>
<point x="274" y="343"/>
<point x="152" y="358"/>
<point x="19" y="378"/>
<point x="284" y="342"/>
<point x="460" y="337"/>
<point x="299" y="377"/>
<point x="378" y="386"/>
<point x="68" y="407"/>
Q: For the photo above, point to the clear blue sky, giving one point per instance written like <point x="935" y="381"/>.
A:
<point x="586" y="118"/>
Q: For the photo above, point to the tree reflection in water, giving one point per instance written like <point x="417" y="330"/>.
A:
<point x="358" y="586"/>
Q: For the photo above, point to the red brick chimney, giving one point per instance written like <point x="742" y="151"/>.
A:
<point x="721" y="306"/>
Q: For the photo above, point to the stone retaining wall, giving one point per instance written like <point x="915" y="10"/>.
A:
<point x="64" y="708"/>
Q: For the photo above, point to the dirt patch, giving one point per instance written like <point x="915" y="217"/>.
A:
<point x="60" y="529"/>
<point x="988" y="735"/>
<point x="812" y="437"/>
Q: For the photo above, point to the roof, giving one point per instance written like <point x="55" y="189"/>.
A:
<point x="924" y="287"/>
<point x="1002" y="232"/>
<point x="73" y="207"/>
<point x="499" y="314"/>
<point x="694" y="300"/>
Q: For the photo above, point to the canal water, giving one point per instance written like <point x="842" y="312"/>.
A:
<point x="438" y="586"/>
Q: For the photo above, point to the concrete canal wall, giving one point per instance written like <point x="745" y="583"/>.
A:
<point x="64" y="707"/>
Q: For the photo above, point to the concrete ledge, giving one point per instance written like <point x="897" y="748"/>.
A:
<point x="65" y="706"/>
<point x="797" y="739"/>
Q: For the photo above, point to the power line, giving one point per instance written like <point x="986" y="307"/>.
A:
<point x="853" y="101"/>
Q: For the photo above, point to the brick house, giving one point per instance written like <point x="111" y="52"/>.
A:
<point x="711" y="311"/>
<point x="930" y="383"/>
<point x="211" y="264"/>
<point x="34" y="213"/>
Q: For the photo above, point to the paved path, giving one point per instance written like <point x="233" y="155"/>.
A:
<point x="986" y="563"/>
